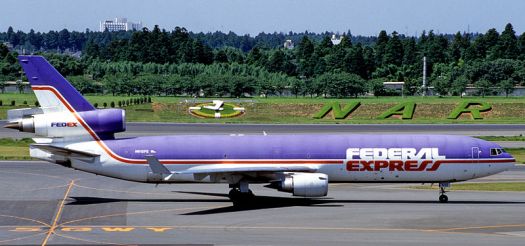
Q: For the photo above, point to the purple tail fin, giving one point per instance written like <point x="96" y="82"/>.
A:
<point x="53" y="91"/>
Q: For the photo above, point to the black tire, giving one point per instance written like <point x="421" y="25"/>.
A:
<point x="234" y="194"/>
<point x="443" y="198"/>
<point x="240" y="199"/>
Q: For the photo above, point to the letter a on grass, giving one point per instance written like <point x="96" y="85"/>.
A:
<point x="406" y="110"/>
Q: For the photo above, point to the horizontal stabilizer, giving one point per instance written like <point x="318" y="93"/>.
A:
<point x="63" y="151"/>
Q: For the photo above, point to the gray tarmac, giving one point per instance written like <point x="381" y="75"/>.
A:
<point x="43" y="203"/>
<point x="147" y="129"/>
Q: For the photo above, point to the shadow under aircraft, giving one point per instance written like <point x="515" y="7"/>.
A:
<point x="264" y="202"/>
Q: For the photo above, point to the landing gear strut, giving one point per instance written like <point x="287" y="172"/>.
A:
<point x="442" y="197"/>
<point x="240" y="194"/>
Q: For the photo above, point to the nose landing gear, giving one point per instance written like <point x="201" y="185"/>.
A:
<point x="442" y="197"/>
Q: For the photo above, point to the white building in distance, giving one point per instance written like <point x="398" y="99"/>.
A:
<point x="119" y="24"/>
<point x="335" y="40"/>
<point x="288" y="44"/>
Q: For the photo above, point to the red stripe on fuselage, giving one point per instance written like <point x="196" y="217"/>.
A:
<point x="136" y="161"/>
<point x="438" y="163"/>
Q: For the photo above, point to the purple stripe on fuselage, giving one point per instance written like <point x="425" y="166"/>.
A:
<point x="290" y="146"/>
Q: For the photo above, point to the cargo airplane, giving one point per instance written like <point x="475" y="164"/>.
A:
<point x="72" y="133"/>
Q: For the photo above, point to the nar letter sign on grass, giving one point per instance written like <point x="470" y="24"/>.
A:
<point x="216" y="109"/>
<point x="403" y="110"/>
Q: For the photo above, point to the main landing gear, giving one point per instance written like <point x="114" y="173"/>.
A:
<point x="240" y="194"/>
<point x="442" y="197"/>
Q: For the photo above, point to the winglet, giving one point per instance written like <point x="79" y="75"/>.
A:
<point x="156" y="166"/>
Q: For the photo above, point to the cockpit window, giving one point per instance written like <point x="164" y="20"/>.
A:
<point x="496" y="151"/>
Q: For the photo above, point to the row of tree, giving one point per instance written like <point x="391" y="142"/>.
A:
<point x="125" y="61"/>
<point x="59" y="40"/>
<point x="391" y="57"/>
<point x="237" y="80"/>
<point x="64" y="39"/>
<point x="220" y="85"/>
<point x="156" y="46"/>
<point x="9" y="67"/>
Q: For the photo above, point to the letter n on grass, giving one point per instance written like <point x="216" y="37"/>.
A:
<point x="465" y="107"/>
<point x="338" y="112"/>
<point x="405" y="110"/>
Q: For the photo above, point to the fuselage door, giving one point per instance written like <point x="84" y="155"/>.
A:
<point x="475" y="153"/>
<point x="475" y="168"/>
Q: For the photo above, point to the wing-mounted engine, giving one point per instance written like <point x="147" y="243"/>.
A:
<point x="65" y="124"/>
<point x="303" y="184"/>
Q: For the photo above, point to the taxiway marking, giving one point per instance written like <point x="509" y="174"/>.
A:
<point x="58" y="214"/>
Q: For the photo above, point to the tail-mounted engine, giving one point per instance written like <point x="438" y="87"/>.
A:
<point x="65" y="124"/>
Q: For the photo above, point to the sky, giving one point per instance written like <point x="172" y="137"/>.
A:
<point x="361" y="17"/>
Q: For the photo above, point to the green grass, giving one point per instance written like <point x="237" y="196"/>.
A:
<point x="416" y="99"/>
<point x="11" y="149"/>
<point x="503" y="138"/>
<point x="507" y="186"/>
<point x="518" y="154"/>
<point x="14" y="153"/>
<point x="15" y="142"/>
<point x="287" y="110"/>
<point x="300" y="113"/>
<point x="316" y="100"/>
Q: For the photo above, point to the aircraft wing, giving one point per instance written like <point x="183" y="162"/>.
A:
<point x="228" y="168"/>
<point x="63" y="151"/>
<point x="200" y="172"/>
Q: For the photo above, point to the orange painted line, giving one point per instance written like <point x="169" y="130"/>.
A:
<point x="58" y="214"/>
